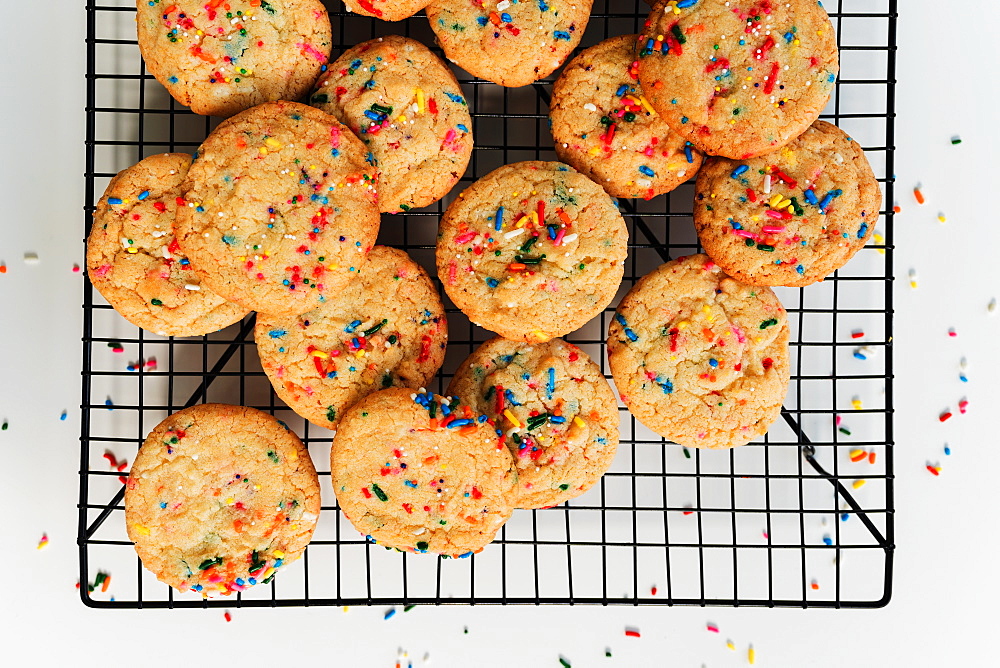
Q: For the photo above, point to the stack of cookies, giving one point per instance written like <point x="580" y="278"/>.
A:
<point x="278" y="213"/>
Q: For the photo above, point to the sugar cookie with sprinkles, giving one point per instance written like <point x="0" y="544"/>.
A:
<point x="792" y="217"/>
<point x="698" y="357"/>
<point x="220" y="498"/>
<point x="509" y="43"/>
<point x="558" y="413"/>
<point x="740" y="78"/>
<point x="387" y="10"/>
<point x="603" y="125"/>
<point x="532" y="250"/>
<point x="279" y="208"/>
<point x="408" y="109"/>
<point x="421" y="473"/>
<point x="135" y="263"/>
<point x="387" y="328"/>
<point x="221" y="57"/>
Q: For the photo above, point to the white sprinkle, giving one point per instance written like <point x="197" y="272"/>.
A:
<point x="504" y="4"/>
<point x="590" y="106"/>
<point x="159" y="233"/>
<point x="192" y="286"/>
<point x="992" y="306"/>
<point x="767" y="184"/>
<point x="31" y="258"/>
<point x="419" y="531"/>
<point x="165" y="252"/>
<point x="570" y="238"/>
<point x="514" y="233"/>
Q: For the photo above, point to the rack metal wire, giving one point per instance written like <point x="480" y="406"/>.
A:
<point x="781" y="522"/>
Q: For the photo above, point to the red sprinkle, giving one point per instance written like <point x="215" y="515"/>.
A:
<point x="228" y="617"/>
<point x="632" y="633"/>
<point x="962" y="405"/>
<point x="751" y="195"/>
<point x="944" y="416"/>
<point x="771" y="79"/>
<point x="934" y="469"/>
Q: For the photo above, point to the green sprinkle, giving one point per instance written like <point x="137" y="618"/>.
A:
<point x="320" y="98"/>
<point x="156" y="302"/>
<point x="99" y="579"/>
<point x="422" y="545"/>
<point x="564" y="487"/>
<point x="749" y="242"/>
<point x="687" y="453"/>
<point x="537" y="421"/>
<point x="4" y="426"/>
<point x="534" y="259"/>
<point x="208" y="563"/>
<point x="956" y="140"/>
<point x="768" y="323"/>
<point x="266" y="6"/>
<point x="845" y="430"/>
<point x="273" y="456"/>
<point x="331" y="413"/>
<point x="526" y="246"/>
<point x="380" y="109"/>
<point x="409" y="607"/>
<point x="564" y="663"/>
<point x="379" y="493"/>
<point x="386" y="380"/>
<point x="392" y="339"/>
<point x="372" y="330"/>
<point x="765" y="247"/>
<point x="270" y="577"/>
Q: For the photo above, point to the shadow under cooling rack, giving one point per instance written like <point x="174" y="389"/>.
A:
<point x="787" y="521"/>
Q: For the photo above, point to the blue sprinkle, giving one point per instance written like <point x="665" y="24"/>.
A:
<point x="114" y="200"/>
<point x="863" y="230"/>
<point x="543" y="6"/>
<point x="832" y="77"/>
<point x="788" y="36"/>
<point x="827" y="540"/>
<point x="482" y="21"/>
<point x="860" y="355"/>
<point x="173" y="79"/>
<point x="240" y="581"/>
<point x="509" y="396"/>
<point x="505" y="17"/>
<point x="278" y="563"/>
<point x="459" y="423"/>
<point x="688" y="153"/>
<point x="947" y="450"/>
<point x="550" y="386"/>
<point x="454" y="98"/>
<point x="739" y="170"/>
<point x="557" y="419"/>
<point x="498" y="221"/>
<point x="63" y="415"/>
<point x="621" y="90"/>
<point x="800" y="269"/>
<point x="735" y="225"/>
<point x="561" y="34"/>
<point x="492" y="282"/>
<point x="389" y="613"/>
<point x="826" y="202"/>
<point x="684" y="119"/>
<point x="643" y="169"/>
<point x="843" y="517"/>
<point x="143" y="195"/>
<point x="353" y="326"/>
<point x="620" y="319"/>
<point x="963" y="378"/>
<point x="409" y="483"/>
<point x="684" y="4"/>
<point x="335" y="152"/>
<point x="631" y="335"/>
<point x="372" y="115"/>
<point x="277" y="333"/>
<point x="713" y="363"/>
<point x="461" y="126"/>
<point x="163" y="504"/>
<point x="481" y="419"/>
<point x="811" y="197"/>
<point x="355" y="64"/>
<point x="552" y="233"/>
<point x="666" y="385"/>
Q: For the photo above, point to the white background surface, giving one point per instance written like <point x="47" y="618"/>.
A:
<point x="946" y="528"/>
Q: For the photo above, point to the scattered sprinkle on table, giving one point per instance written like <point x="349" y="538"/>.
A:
<point x="62" y="416"/>
<point x="564" y="662"/>
<point x="919" y="195"/>
<point x="4" y="426"/>
<point x="110" y="404"/>
<point x="43" y="541"/>
<point x="751" y="655"/>
<point x="3" y="268"/>
<point x="31" y="257"/>
<point x="935" y="470"/>
<point x="942" y="218"/>
<point x="913" y="278"/>
<point x="76" y="268"/>
<point x="632" y="632"/>
<point x="992" y="306"/>
<point x="956" y="140"/>
<point x="228" y="616"/>
<point x="711" y="628"/>
<point x="389" y="613"/>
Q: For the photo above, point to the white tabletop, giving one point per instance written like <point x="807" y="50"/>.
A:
<point x="946" y="529"/>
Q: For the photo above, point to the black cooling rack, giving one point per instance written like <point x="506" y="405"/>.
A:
<point x="781" y="522"/>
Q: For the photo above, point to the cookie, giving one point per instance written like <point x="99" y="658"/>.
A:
<point x="135" y="263"/>
<point x="219" y="498"/>
<point x="220" y="58"/>
<point x="603" y="125"/>
<point x="558" y="413"/>
<point x="421" y="473"/>
<point x="280" y="208"/>
<point x="742" y="78"/>
<point x="509" y="43"/>
<point x="532" y="250"/>
<point x="387" y="10"/>
<point x="387" y="328"/>
<point x="792" y="217"/>
<point x="698" y="357"/>
<point x="407" y="107"/>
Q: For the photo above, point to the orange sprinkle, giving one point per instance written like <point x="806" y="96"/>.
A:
<point x="919" y="195"/>
<point x="3" y="269"/>
<point x="467" y="430"/>
<point x="238" y="526"/>
<point x="107" y="581"/>
<point x="563" y="216"/>
<point x="516" y="266"/>
<point x="815" y="585"/>
<point x="871" y="457"/>
<point x="896" y="208"/>
<point x="495" y="18"/>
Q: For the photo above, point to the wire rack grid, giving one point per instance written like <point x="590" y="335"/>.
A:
<point x="780" y="522"/>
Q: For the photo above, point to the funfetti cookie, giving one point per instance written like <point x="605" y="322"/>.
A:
<point x="791" y="217"/>
<point x="509" y="43"/>
<point x="603" y="125"/>
<point x="699" y="357"/>
<point x="408" y="109"/>
<point x="387" y="328"/>
<point x="220" y="498"/>
<point x="738" y="78"/>
<point x="387" y="10"/>
<point x="421" y="473"/>
<point x="279" y="208"/>
<point x="135" y="263"/>
<point x="220" y="58"/>
<point x="558" y="413"/>
<point x="532" y="250"/>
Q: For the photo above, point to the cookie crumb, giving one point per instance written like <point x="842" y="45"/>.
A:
<point x="31" y="258"/>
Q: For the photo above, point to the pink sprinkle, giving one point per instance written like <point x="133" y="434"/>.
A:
<point x="311" y="50"/>
<point x="103" y="269"/>
<point x="837" y="421"/>
<point x="76" y="267"/>
<point x="452" y="271"/>
<point x="466" y="237"/>
<point x="559" y="237"/>
<point x="952" y="332"/>
<point x="772" y="229"/>
<point x="335" y="136"/>
<point x="771" y="213"/>
<point x="712" y="628"/>
<point x="746" y="234"/>
<point x="962" y="405"/>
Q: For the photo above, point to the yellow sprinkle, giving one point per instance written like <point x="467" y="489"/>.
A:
<point x="730" y="645"/>
<point x="273" y="143"/>
<point x="773" y="202"/>
<point x="198" y="32"/>
<point x="256" y="488"/>
<point x="858" y="484"/>
<point x="331" y="267"/>
<point x="268" y="573"/>
<point x="646" y="105"/>
<point x="420" y="100"/>
<point x="880" y="241"/>
<point x="133" y="250"/>
<point x="534" y="217"/>
<point x="141" y="529"/>
<point x="279" y="554"/>
<point x="346" y="608"/>
<point x="683" y="324"/>
<point x="750" y="655"/>
<point x="230" y="501"/>
<point x="513" y="420"/>
<point x="941" y="218"/>
<point x="320" y="354"/>
<point x="856" y="453"/>
<point x="594" y="151"/>
<point x="578" y="422"/>
<point x="856" y="403"/>
<point x="401" y="119"/>
<point x="360" y="353"/>
<point x="263" y="151"/>
<point x="795" y="42"/>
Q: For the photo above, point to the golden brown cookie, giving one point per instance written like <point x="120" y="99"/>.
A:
<point x="738" y="78"/>
<point x="558" y="413"/>
<point x="387" y="328"/>
<point x="532" y="250"/>
<point x="280" y="208"/>
<point x="407" y="108"/>
<point x="421" y="473"/>
<point x="387" y="10"/>
<point x="791" y="217"/>
<point x="220" y="497"/>
<point x="699" y="357"/>
<point x="509" y="43"/>
<point x="603" y="125"/>
<point x="135" y="263"/>
<point x="220" y="58"/>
